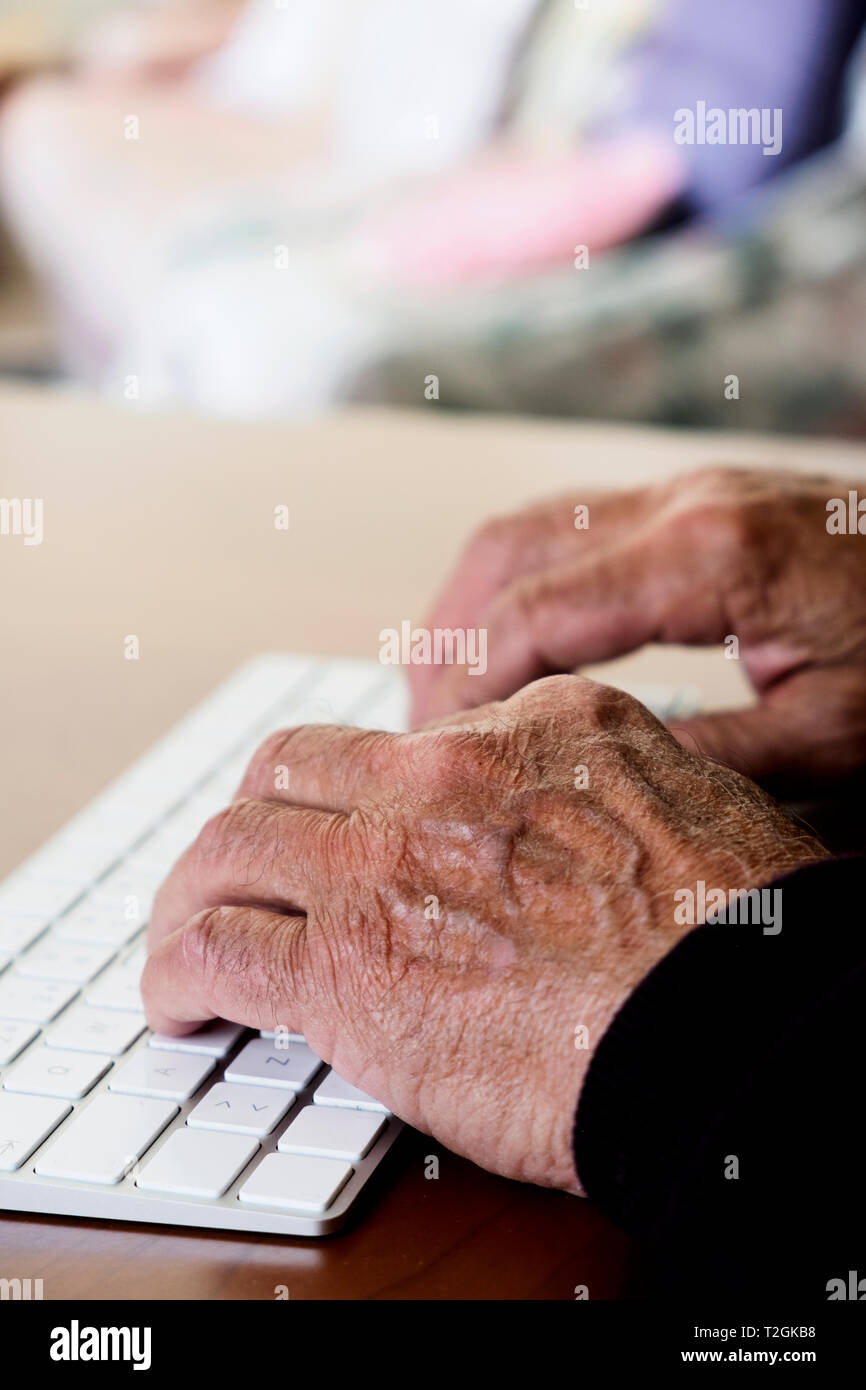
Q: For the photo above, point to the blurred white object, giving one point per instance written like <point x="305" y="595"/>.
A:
<point x="427" y="81"/>
<point x="236" y="337"/>
<point x="412" y="85"/>
<point x="279" y="56"/>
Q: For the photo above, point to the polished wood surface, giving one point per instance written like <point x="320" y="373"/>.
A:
<point x="162" y="527"/>
<point x="464" y="1235"/>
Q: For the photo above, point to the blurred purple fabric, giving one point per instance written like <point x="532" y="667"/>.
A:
<point x="786" y="54"/>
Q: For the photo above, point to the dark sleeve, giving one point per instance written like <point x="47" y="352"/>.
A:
<point x="771" y="54"/>
<point x="721" y="1120"/>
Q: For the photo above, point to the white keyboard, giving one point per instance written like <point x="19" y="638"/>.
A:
<point x="222" y="1128"/>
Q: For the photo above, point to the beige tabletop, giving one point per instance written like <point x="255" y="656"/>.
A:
<point x="162" y="527"/>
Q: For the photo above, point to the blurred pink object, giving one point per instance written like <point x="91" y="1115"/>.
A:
<point x="501" y="217"/>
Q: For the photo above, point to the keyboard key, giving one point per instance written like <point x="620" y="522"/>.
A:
<point x="107" y="1031"/>
<point x="123" y="813"/>
<point x="118" y="988"/>
<point x="51" y="1072"/>
<point x="51" y="959"/>
<point x="136" y="959"/>
<point x="332" y="1132"/>
<point x="293" y="1180"/>
<point x="24" y="896"/>
<point x="252" y="1110"/>
<point x="166" y="1075"/>
<point x="214" y="1040"/>
<point x="94" y="922"/>
<point x="70" y="859"/>
<point x="264" y="1064"/>
<point x="14" y="1037"/>
<point x="104" y="1141"/>
<point x="34" y="1001"/>
<point x="17" y="933"/>
<point x="130" y="893"/>
<point x="196" y="1163"/>
<point x="156" y="855"/>
<point x="335" y="1091"/>
<point x="25" y="1121"/>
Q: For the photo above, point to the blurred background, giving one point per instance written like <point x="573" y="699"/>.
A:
<point x="270" y="208"/>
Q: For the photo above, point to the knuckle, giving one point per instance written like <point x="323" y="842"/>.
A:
<point x="519" y="603"/>
<point x="210" y="838"/>
<point x="440" y="766"/>
<point x="617" y="709"/>
<point x="565" y="696"/>
<point x="718" y="504"/>
<point x="262" y="762"/>
<point x="597" y="706"/>
<point x="203" y="944"/>
<point x="448" y="760"/>
<point x="608" y="706"/>
<point x="558" y="691"/>
<point x="724" y="526"/>
<point x="495" y="532"/>
<point x="234" y="825"/>
<point x="710" y="478"/>
<point x="280" y="744"/>
<point x="337" y="844"/>
<point x="378" y="840"/>
<point x="498" y="541"/>
<point x="534" y="603"/>
<point x="516" y="610"/>
<point x="215" y="947"/>
<point x="713" y="482"/>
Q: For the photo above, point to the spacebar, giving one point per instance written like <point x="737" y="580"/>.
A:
<point x="103" y="1142"/>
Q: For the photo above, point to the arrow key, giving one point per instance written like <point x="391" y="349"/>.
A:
<point x="24" y="1122"/>
<point x="254" y="1110"/>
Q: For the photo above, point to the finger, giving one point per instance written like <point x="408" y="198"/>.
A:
<point x="257" y="853"/>
<point x="508" y="549"/>
<point x="238" y="963"/>
<point x="809" y="731"/>
<point x="325" y="766"/>
<point x="748" y="740"/>
<point x="654" y="587"/>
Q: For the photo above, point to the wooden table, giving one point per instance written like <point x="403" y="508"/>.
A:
<point x="162" y="526"/>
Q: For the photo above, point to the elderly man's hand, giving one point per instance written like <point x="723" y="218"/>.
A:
<point x="452" y="917"/>
<point x="705" y="557"/>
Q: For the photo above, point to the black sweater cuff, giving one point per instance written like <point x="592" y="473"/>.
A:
<point x="715" y="1049"/>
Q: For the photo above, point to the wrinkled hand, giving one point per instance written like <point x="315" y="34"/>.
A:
<point x="715" y="554"/>
<point x="439" y="912"/>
